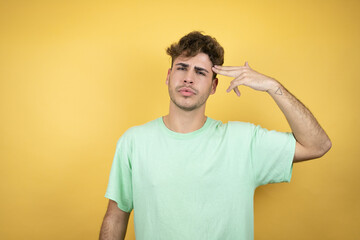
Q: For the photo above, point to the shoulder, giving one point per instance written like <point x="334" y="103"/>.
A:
<point x="242" y="125"/>
<point x="243" y="128"/>
<point x="232" y="124"/>
<point x="235" y="130"/>
<point x="139" y="131"/>
<point x="247" y="130"/>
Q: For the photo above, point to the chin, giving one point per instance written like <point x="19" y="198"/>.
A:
<point x="187" y="107"/>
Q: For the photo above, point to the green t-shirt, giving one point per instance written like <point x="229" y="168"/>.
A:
<point x="198" y="185"/>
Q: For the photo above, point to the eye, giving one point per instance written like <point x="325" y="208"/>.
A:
<point x="201" y="73"/>
<point x="181" y="68"/>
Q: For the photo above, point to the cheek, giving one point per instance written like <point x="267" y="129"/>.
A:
<point x="207" y="82"/>
<point x="177" y="74"/>
<point x="176" y="78"/>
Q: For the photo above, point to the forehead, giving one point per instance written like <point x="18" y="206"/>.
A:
<point x="199" y="60"/>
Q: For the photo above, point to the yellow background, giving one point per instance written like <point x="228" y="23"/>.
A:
<point x="74" y="75"/>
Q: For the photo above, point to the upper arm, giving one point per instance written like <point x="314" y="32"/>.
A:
<point x="114" y="211"/>
<point x="115" y="222"/>
<point x="303" y="153"/>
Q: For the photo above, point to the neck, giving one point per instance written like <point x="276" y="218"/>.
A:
<point x="182" y="121"/>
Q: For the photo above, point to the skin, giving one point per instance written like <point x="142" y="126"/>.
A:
<point x="187" y="114"/>
<point x="311" y="140"/>
<point x="115" y="223"/>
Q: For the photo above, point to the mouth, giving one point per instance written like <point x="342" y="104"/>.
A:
<point x="186" y="91"/>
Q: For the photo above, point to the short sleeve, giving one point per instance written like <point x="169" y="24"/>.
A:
<point x="272" y="155"/>
<point x="120" y="181"/>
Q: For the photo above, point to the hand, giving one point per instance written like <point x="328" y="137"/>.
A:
<point x="244" y="75"/>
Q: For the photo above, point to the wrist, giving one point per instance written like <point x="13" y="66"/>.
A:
<point x="275" y="88"/>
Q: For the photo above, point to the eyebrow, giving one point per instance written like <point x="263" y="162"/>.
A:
<point x="196" y="68"/>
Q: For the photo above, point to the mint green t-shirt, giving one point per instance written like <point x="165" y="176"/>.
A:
<point x="198" y="185"/>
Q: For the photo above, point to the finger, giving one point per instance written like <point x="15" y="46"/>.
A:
<point x="236" y="82"/>
<point x="229" y="73"/>
<point x="236" y="90"/>
<point x="247" y="64"/>
<point x="228" y="67"/>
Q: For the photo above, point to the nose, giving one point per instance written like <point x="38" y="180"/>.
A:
<point x="188" y="81"/>
<point x="189" y="77"/>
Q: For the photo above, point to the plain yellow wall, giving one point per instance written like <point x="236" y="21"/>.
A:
<point x="74" y="75"/>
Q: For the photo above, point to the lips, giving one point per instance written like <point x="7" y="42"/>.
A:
<point x="186" y="91"/>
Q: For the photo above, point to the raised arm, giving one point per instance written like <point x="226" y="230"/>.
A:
<point x="115" y="223"/>
<point x="311" y="140"/>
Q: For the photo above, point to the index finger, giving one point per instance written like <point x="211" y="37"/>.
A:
<point x="228" y="67"/>
<point x="229" y="73"/>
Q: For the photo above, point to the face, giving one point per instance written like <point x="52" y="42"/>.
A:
<point x="190" y="81"/>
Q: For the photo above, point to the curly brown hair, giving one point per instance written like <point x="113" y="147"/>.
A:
<point x="195" y="42"/>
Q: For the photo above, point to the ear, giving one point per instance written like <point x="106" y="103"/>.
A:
<point x="215" y="82"/>
<point x="168" y="76"/>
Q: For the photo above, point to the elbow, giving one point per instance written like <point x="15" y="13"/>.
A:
<point x="307" y="153"/>
<point x="324" y="148"/>
<point x="327" y="145"/>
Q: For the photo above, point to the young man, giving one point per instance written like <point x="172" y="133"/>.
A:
<point x="188" y="176"/>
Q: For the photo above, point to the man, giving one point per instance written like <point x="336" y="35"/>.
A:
<point x="188" y="176"/>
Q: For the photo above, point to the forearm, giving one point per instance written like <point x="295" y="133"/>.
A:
<point x="304" y="126"/>
<point x="111" y="229"/>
